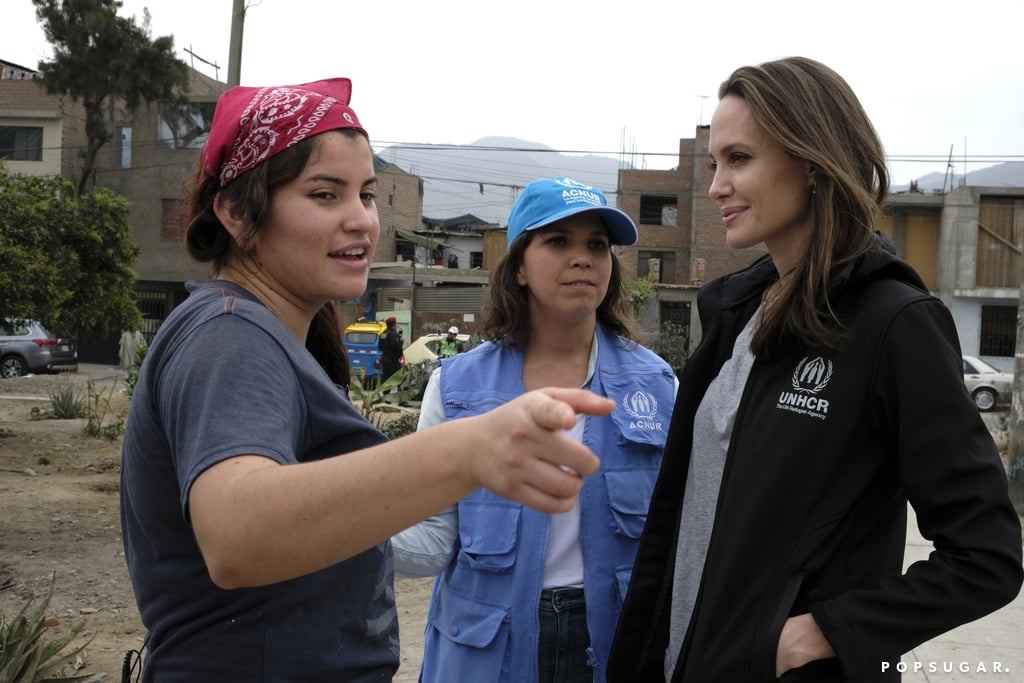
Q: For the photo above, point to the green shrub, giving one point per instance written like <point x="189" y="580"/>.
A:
<point x="380" y="398"/>
<point x="66" y="403"/>
<point x="671" y="344"/>
<point x="402" y="425"/>
<point x="26" y="657"/>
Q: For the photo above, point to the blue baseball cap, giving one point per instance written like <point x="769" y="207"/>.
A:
<point x="547" y="200"/>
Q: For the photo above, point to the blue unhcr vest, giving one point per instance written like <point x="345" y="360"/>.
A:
<point x="482" y="623"/>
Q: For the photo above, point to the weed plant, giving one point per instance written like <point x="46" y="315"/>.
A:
<point x="380" y="398"/>
<point x="26" y="656"/>
<point x="401" y="425"/>
<point x="66" y="403"/>
<point x="96" y="423"/>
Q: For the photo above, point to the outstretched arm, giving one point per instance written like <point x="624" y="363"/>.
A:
<point x="259" y="522"/>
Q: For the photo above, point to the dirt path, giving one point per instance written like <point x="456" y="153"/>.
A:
<point x="60" y="522"/>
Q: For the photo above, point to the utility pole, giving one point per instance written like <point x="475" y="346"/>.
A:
<point x="1015" y="426"/>
<point x="235" y="49"/>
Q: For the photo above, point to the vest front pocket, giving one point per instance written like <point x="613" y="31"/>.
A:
<point x="629" y="496"/>
<point x="466" y="639"/>
<point x="488" y="534"/>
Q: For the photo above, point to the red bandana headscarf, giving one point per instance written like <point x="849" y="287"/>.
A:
<point x="250" y="125"/>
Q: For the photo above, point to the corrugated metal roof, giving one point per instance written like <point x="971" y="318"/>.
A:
<point x="417" y="239"/>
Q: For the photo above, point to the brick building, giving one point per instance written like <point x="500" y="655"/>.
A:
<point x="965" y="243"/>
<point x="153" y="155"/>
<point x="681" y="242"/>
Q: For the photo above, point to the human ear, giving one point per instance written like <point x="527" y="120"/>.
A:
<point x="520" y="278"/>
<point x="233" y="222"/>
<point x="812" y="176"/>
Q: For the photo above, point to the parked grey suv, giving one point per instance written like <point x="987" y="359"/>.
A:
<point x="28" y="346"/>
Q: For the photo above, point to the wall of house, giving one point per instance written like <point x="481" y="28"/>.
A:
<point x="53" y="131"/>
<point x="156" y="185"/>
<point x="698" y="239"/>
<point x="913" y="222"/>
<point x="399" y="207"/>
<point x="633" y="186"/>
<point x="495" y="244"/>
<point x="11" y="71"/>
<point x="957" y="257"/>
<point x="709" y="249"/>
<point x="461" y="246"/>
<point x="157" y="181"/>
<point x="26" y="103"/>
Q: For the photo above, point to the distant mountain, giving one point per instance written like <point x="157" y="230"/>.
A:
<point x="1008" y="174"/>
<point x="484" y="178"/>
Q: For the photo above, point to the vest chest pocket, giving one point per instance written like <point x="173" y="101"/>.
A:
<point x="642" y="413"/>
<point x="488" y="534"/>
<point x="629" y="496"/>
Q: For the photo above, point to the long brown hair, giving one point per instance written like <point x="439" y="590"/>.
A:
<point x="250" y="195"/>
<point x="507" y="315"/>
<point x="814" y="115"/>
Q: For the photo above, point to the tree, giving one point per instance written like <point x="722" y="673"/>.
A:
<point x="672" y="345"/>
<point x="637" y="293"/>
<point x="65" y="259"/>
<point x="105" y="61"/>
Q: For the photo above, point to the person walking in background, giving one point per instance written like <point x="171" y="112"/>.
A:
<point x="523" y="595"/>
<point x="450" y="345"/>
<point x="391" y="349"/>
<point x="825" y="393"/>
<point x="128" y="349"/>
<point x="256" y="501"/>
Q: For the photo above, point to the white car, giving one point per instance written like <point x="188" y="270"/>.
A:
<point x="421" y="359"/>
<point x="425" y="347"/>
<point x="986" y="385"/>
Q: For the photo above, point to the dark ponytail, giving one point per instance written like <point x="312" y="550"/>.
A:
<point x="324" y="342"/>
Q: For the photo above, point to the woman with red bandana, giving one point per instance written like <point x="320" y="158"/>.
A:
<point x="256" y="501"/>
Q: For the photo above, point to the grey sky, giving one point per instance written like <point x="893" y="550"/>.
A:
<point x="941" y="78"/>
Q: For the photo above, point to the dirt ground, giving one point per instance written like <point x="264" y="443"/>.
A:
<point x="59" y="522"/>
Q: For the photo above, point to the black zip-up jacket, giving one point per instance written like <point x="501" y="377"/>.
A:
<point x="828" y="447"/>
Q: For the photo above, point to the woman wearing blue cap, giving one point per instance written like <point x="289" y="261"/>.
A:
<point x="523" y="595"/>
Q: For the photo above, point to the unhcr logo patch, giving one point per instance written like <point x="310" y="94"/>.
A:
<point x="574" y="192"/>
<point x="642" y="407"/>
<point x="809" y="379"/>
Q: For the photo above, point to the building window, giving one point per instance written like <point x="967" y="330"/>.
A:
<point x="124" y="146"/>
<point x="657" y="266"/>
<point x="998" y="331"/>
<point x="172" y="226"/>
<point x="1000" y="234"/>
<point x="184" y="126"/>
<point x="21" y="143"/>
<point x="476" y="259"/>
<point x="658" y="209"/>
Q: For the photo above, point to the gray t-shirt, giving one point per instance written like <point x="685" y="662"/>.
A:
<point x="223" y="378"/>
<point x="712" y="431"/>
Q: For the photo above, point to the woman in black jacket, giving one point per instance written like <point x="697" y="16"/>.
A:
<point x="826" y="393"/>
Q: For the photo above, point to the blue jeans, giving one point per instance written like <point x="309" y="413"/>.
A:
<point x="564" y="638"/>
